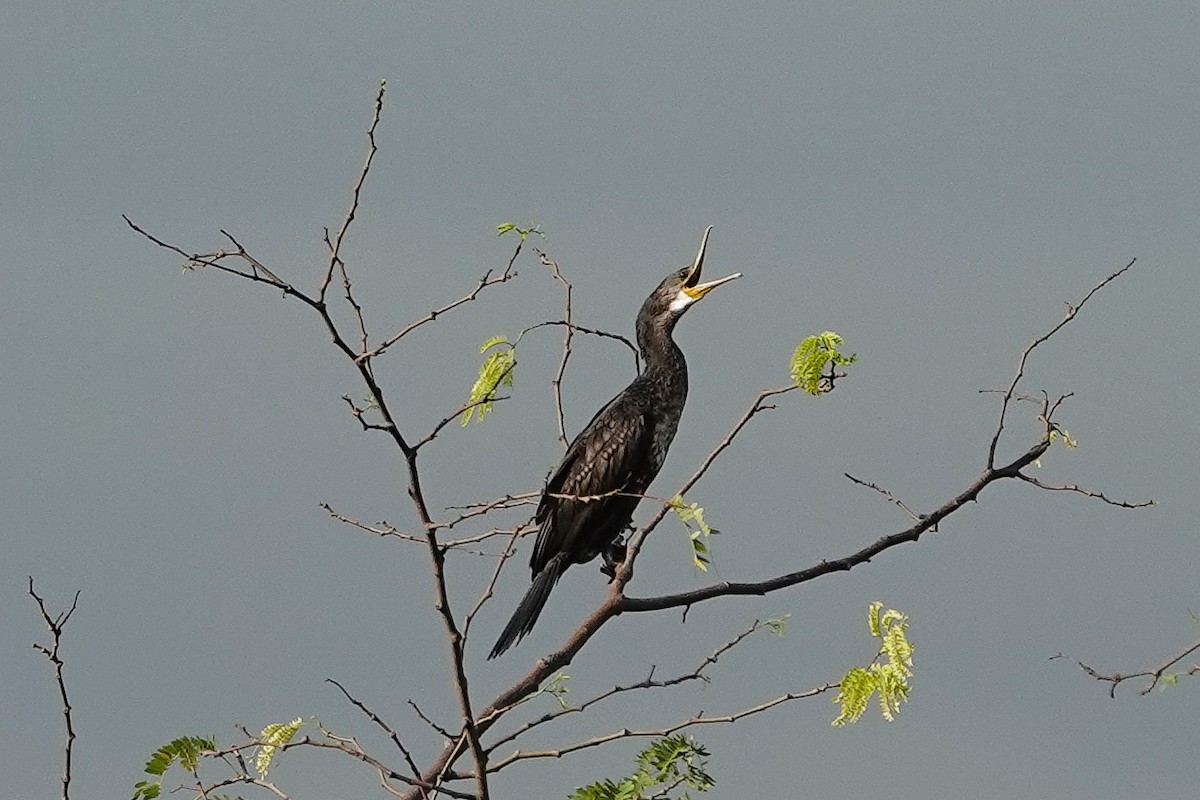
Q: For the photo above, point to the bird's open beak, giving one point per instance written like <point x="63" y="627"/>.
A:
<point x="692" y="287"/>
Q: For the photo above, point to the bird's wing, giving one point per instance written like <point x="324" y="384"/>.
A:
<point x="600" y="462"/>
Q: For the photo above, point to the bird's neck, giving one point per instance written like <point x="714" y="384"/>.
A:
<point x="663" y="358"/>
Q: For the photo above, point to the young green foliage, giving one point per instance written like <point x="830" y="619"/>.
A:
<point x="666" y="765"/>
<point x="1059" y="433"/>
<point x="275" y="735"/>
<point x="887" y="678"/>
<point x="776" y="625"/>
<point x="812" y="355"/>
<point x="186" y="750"/>
<point x="692" y="517"/>
<point x="524" y="233"/>
<point x="496" y="371"/>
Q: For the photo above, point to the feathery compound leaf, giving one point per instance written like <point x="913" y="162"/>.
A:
<point x="496" y="371"/>
<point x="812" y="355"/>
<point x="888" y="679"/>
<point x="692" y="517"/>
<point x="186" y="750"/>
<point x="666" y="765"/>
<point x="275" y="735"/>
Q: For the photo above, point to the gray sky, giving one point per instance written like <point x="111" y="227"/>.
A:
<point x="932" y="181"/>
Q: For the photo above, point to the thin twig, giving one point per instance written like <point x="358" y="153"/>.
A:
<point x="637" y="359"/>
<point x="56" y="625"/>
<point x="335" y="247"/>
<point x="626" y="733"/>
<point x="425" y="718"/>
<point x="1070" y="487"/>
<point x="556" y="381"/>
<point x="891" y="498"/>
<point x="388" y="729"/>
<point x="1155" y="674"/>
<point x="1072" y="310"/>
<point x="510" y="549"/>
<point x="648" y="682"/>
<point x="484" y="282"/>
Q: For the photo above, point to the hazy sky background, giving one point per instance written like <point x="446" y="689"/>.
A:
<point x="931" y="180"/>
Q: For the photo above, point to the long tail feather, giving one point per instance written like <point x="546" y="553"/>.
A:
<point x="531" y="605"/>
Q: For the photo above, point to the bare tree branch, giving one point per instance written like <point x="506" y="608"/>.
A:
<point x="637" y="359"/>
<point x="484" y="282"/>
<point x="556" y="381"/>
<point x="1072" y="310"/>
<point x="891" y="498"/>
<point x="56" y="625"/>
<point x="657" y="733"/>
<point x="1070" y="487"/>
<point x="388" y="729"/>
<point x="1155" y="674"/>
<point x="648" y="682"/>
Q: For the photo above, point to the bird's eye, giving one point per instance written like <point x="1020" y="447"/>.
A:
<point x="683" y="273"/>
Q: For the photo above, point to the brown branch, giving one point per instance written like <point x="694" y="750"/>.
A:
<point x="484" y="282"/>
<point x="243" y="779"/>
<point x="637" y="359"/>
<point x="1012" y="387"/>
<point x="1070" y="487"/>
<point x="556" y="381"/>
<point x="510" y="549"/>
<point x="335" y="247"/>
<point x="891" y="498"/>
<point x="464" y="408"/>
<point x="425" y="718"/>
<point x="383" y="529"/>
<point x="415" y="491"/>
<point x="388" y="729"/>
<point x="657" y="733"/>
<point x="1155" y="674"/>
<point x="625" y="570"/>
<point x="825" y="567"/>
<point x="647" y="683"/>
<point x="56" y="625"/>
<point x="350" y="747"/>
<point x="487" y="507"/>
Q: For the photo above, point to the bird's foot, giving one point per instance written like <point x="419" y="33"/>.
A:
<point x="613" y="557"/>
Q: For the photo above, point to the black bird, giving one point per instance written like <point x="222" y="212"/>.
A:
<point x="616" y="456"/>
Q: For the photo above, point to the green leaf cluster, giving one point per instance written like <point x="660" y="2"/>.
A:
<point x="812" y="355"/>
<point x="533" y="230"/>
<point x="666" y="765"/>
<point x="496" y="371"/>
<point x="275" y="735"/>
<point x="692" y="517"/>
<point x="887" y="676"/>
<point x="186" y="750"/>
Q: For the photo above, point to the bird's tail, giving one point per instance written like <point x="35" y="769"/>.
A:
<point x="531" y="605"/>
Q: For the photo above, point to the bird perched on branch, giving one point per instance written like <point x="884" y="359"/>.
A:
<point x="589" y="501"/>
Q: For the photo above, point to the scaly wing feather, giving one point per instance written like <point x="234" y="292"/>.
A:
<point x="603" y="459"/>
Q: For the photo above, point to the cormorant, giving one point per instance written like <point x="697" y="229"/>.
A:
<point x="589" y="501"/>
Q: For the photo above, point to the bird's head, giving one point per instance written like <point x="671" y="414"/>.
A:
<point x="682" y="288"/>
